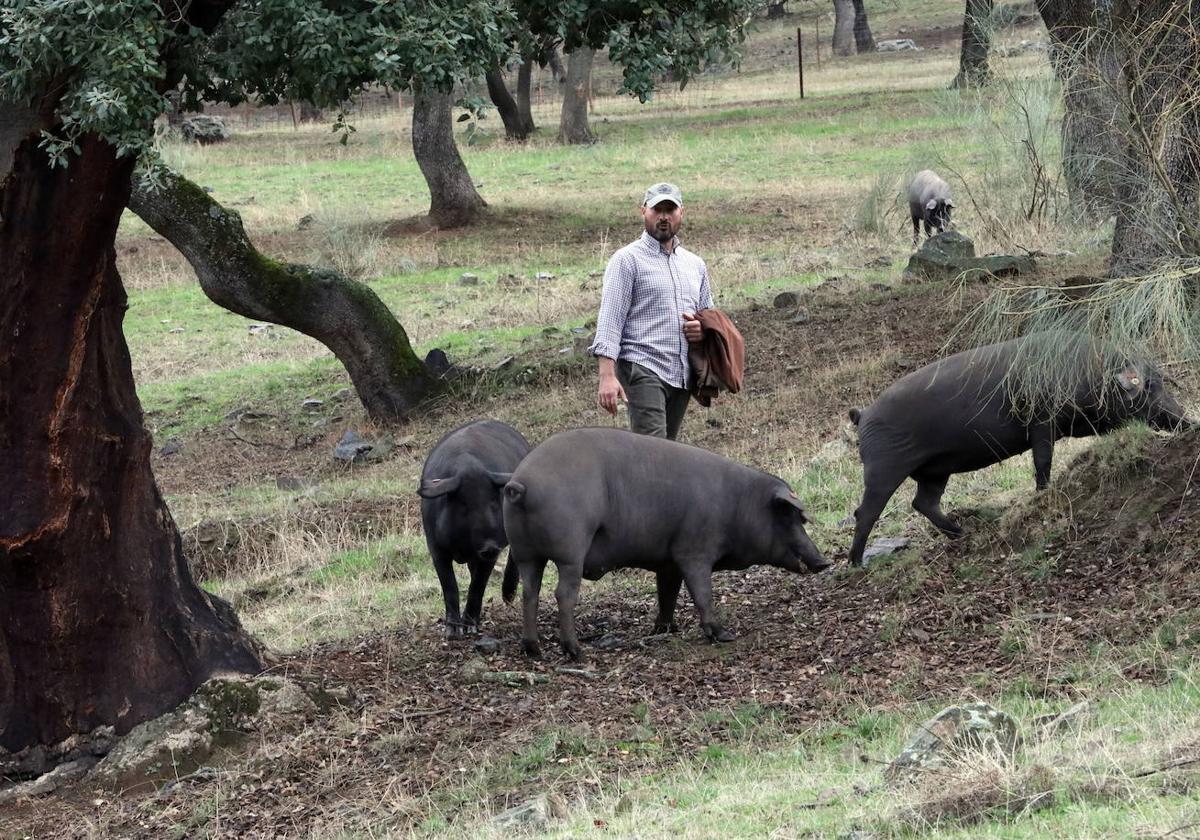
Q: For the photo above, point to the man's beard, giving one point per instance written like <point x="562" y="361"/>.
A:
<point x="662" y="234"/>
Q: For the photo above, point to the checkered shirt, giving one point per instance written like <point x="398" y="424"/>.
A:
<point x="646" y="291"/>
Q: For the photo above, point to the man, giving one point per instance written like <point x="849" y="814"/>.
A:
<point x="653" y="290"/>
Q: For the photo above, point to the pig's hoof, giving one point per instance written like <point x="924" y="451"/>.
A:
<point x="532" y="649"/>
<point x="572" y="651"/>
<point x="720" y="635"/>
<point x="454" y="630"/>
<point x="661" y="627"/>
<point x="470" y="628"/>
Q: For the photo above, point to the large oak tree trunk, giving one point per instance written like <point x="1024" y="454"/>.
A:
<point x="1094" y="126"/>
<point x="515" y="128"/>
<point x="453" y="199"/>
<point x="100" y="621"/>
<point x="843" y="27"/>
<point x="863" y="39"/>
<point x="344" y="315"/>
<point x="973" y="68"/>
<point x="1158" y="202"/>
<point x="573" y="127"/>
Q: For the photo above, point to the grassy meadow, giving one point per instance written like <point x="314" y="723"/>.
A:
<point x="780" y="194"/>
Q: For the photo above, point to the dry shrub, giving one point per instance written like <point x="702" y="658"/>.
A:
<point x="974" y="791"/>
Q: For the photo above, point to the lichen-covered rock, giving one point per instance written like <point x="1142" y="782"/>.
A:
<point x="954" y="731"/>
<point x="204" y="129"/>
<point x="218" y="714"/>
<point x="942" y="257"/>
<point x="950" y="255"/>
<point x="536" y="814"/>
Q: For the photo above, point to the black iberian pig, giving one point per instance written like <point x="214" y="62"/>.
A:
<point x="594" y="500"/>
<point x="957" y="415"/>
<point x="929" y="201"/>
<point x="460" y="509"/>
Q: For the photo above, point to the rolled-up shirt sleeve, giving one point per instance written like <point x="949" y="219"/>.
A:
<point x="615" y="300"/>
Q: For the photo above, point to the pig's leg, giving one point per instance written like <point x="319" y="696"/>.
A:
<point x="698" y="576"/>
<point x="916" y="220"/>
<point x="443" y="564"/>
<point x="928" y="501"/>
<point x="1041" y="438"/>
<point x="880" y="486"/>
<point x="481" y="571"/>
<point x="567" y="594"/>
<point x="531" y="587"/>
<point x="669" y="580"/>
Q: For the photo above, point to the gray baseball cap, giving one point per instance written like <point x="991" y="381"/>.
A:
<point x="663" y="192"/>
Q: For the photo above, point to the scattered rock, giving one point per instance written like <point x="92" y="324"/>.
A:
<point x="306" y="221"/>
<point x="204" y="129"/>
<point x="468" y="279"/>
<point x="974" y="727"/>
<point x="312" y="404"/>
<point x="801" y="317"/>
<point x="786" y="300"/>
<point x="504" y="363"/>
<point x="883" y="546"/>
<point x="218" y="713"/>
<point x="487" y="645"/>
<point x="343" y="394"/>
<point x="176" y="330"/>
<point x="581" y="340"/>
<point x="351" y="449"/>
<point x="440" y="365"/>
<point x="950" y="255"/>
<point x="544" y="275"/>
<point x="261" y="329"/>
<point x="173" y="446"/>
<point x="534" y="815"/>
<point x="476" y="670"/>
<point x="896" y="45"/>
<point x="71" y="771"/>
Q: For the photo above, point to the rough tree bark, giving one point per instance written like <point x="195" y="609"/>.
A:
<point x="515" y="126"/>
<point x="863" y="39"/>
<point x="775" y="9"/>
<point x="100" y="621"/>
<point x="573" y="126"/>
<point x="1158" y="201"/>
<point x="843" y="27"/>
<point x="973" y="68"/>
<point x="1085" y="61"/>
<point x="454" y="202"/>
<point x="524" y="99"/>
<point x="344" y="315"/>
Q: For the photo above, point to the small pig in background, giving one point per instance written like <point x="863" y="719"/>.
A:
<point x="929" y="201"/>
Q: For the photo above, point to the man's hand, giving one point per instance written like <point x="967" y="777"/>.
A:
<point x="609" y="392"/>
<point x="692" y="330"/>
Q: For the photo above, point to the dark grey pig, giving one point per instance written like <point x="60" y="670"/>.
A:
<point x="460" y="509"/>
<point x="929" y="202"/>
<point x="594" y="500"/>
<point x="956" y="415"/>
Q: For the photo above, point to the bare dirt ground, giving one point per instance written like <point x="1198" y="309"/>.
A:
<point x="412" y="718"/>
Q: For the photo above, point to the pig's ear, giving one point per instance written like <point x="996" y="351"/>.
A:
<point x="1131" y="381"/>
<point x="499" y="478"/>
<point x="787" y="500"/>
<point x="431" y="488"/>
<point x="950" y="203"/>
<point x="931" y="204"/>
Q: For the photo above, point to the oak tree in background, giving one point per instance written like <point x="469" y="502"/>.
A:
<point x="573" y="125"/>
<point x="843" y="27"/>
<point x="973" y="68"/>
<point x="863" y="40"/>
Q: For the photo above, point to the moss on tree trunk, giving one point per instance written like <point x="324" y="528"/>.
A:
<point x="344" y="315"/>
